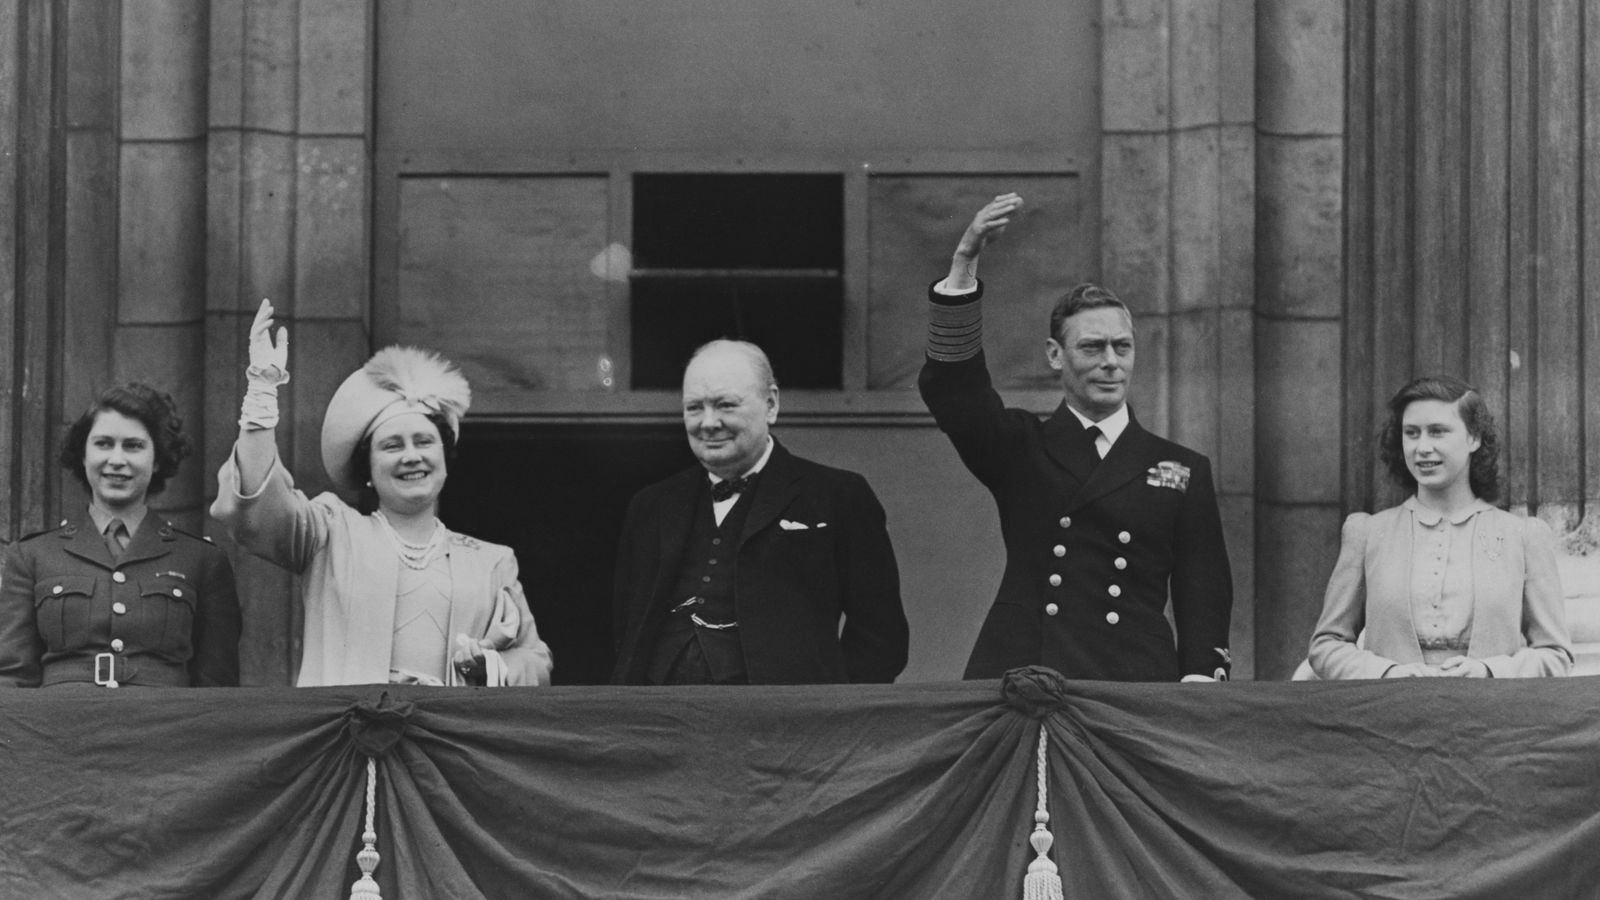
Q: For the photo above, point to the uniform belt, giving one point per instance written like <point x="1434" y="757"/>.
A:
<point x="114" y="670"/>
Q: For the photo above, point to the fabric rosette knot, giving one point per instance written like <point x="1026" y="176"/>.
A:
<point x="376" y="726"/>
<point x="1035" y="691"/>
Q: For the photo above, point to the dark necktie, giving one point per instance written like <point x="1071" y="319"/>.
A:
<point x="1084" y="454"/>
<point x="724" y="490"/>
<point x="116" y="538"/>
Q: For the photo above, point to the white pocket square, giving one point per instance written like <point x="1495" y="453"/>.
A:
<point x="788" y="525"/>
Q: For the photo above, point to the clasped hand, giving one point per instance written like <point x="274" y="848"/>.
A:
<point x="1454" y="667"/>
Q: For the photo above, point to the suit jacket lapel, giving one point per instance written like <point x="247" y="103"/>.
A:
<point x="1129" y="459"/>
<point x="776" y="487"/>
<point x="678" y="508"/>
<point x="88" y="543"/>
<point x="1062" y="431"/>
<point x="153" y="539"/>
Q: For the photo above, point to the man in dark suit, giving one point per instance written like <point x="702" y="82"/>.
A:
<point x="1103" y="521"/>
<point x="737" y="571"/>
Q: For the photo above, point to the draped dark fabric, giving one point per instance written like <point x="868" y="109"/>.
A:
<point x="1416" y="789"/>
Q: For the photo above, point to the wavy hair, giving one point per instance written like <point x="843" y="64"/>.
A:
<point x="153" y="409"/>
<point x="1483" y="471"/>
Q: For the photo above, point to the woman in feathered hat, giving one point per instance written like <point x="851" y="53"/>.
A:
<point x="394" y="595"/>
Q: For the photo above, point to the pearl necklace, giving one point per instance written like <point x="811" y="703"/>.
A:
<point x="414" y="556"/>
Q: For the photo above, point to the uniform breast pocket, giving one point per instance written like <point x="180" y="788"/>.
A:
<point x="63" y="605"/>
<point x="167" y="612"/>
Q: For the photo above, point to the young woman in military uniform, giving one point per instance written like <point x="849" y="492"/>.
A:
<point x="116" y="596"/>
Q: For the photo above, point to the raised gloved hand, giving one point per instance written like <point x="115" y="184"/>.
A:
<point x="269" y="367"/>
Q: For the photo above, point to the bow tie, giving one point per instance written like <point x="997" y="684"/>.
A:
<point x="724" y="490"/>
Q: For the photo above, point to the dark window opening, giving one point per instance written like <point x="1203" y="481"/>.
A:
<point x="756" y="257"/>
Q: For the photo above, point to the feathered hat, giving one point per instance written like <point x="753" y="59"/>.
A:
<point x="395" y="381"/>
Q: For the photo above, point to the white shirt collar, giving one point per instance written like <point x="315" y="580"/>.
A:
<point x="760" y="463"/>
<point x="1111" y="427"/>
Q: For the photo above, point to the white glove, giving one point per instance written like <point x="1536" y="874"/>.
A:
<point x="269" y="367"/>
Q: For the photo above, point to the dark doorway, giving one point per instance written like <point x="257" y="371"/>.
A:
<point x="556" y="495"/>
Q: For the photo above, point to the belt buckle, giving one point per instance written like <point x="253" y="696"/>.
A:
<point x="110" y="678"/>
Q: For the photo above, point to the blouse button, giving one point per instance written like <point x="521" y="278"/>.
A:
<point x="1120" y="563"/>
<point x="118" y="577"/>
<point x="116" y="645"/>
<point x="1124" y="537"/>
<point x="1051" y="609"/>
<point x="119" y="607"/>
<point x="1059" y="551"/>
<point x="1055" y="581"/>
<point x="1112" y="618"/>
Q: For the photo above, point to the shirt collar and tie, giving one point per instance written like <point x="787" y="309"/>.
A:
<point x="1109" y="429"/>
<point x="117" y="528"/>
<point x="724" y="493"/>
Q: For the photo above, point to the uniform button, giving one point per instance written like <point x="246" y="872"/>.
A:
<point x="1066" y="521"/>
<point x="713" y="562"/>
<point x="705" y="577"/>
<point x="1124" y="537"/>
<point x="716" y="542"/>
<point x="1112" y="618"/>
<point x="1114" y="591"/>
<point x="119" y="607"/>
<point x="1051" y="609"/>
<point x="116" y="645"/>
<point x="1120" y="563"/>
<point x="178" y="592"/>
<point x="56" y="589"/>
<point x="1055" y="581"/>
<point x="1059" y="551"/>
<point x="118" y="577"/>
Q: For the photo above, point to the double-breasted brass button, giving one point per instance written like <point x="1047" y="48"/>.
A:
<point x="1059" y="550"/>
<point x="1124" y="537"/>
<point x="1114" y="591"/>
<point x="119" y="608"/>
<point x="1055" y="581"/>
<point x="1066" y="521"/>
<point x="1120" y="563"/>
<point x="1051" y="609"/>
<point x="118" y="577"/>
<point x="1112" y="618"/>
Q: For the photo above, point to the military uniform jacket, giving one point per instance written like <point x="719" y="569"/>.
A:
<point x="814" y="546"/>
<point x="167" y="612"/>
<point x="1090" y="556"/>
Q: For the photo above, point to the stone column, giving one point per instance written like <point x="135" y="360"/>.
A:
<point x="1177" y="209"/>
<point x="1300" y="69"/>
<point x="287" y="219"/>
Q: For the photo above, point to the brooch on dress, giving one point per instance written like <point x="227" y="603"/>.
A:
<point x="1490" y="546"/>
<point x="1168" y="474"/>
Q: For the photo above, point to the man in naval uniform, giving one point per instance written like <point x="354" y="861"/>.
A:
<point x="1103" y="521"/>
<point x="738" y="570"/>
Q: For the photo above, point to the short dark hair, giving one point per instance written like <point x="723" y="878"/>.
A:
<point x="1483" y="471"/>
<point x="361" y="459"/>
<point x="1085" y="296"/>
<point x="153" y="409"/>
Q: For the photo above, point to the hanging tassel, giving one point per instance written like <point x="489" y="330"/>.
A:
<point x="1043" y="881"/>
<point x="367" y="858"/>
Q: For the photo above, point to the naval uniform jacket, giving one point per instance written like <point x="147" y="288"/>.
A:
<point x="814" y="546"/>
<point x="1091" y="557"/>
<point x="166" y="613"/>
